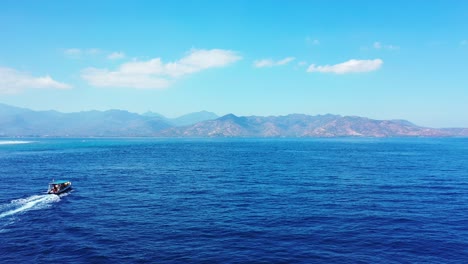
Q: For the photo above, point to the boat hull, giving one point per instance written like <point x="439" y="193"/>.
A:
<point x="62" y="191"/>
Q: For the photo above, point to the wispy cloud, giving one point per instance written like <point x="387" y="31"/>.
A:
<point x="464" y="42"/>
<point x="348" y="66"/>
<point x="271" y="63"/>
<point x="106" y="78"/>
<point x="92" y="51"/>
<point x="76" y="53"/>
<point x="116" y="56"/>
<point x="378" y="45"/>
<point x="311" y="41"/>
<point x="72" y="52"/>
<point x="154" y="74"/>
<point x="13" y="81"/>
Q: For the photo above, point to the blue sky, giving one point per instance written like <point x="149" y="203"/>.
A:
<point x="383" y="60"/>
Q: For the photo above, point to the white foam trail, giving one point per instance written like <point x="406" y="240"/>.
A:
<point x="31" y="203"/>
<point x="14" y="142"/>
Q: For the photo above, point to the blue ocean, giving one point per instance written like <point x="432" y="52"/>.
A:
<point x="342" y="200"/>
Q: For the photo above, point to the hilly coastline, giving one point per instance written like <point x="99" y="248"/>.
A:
<point x="21" y="122"/>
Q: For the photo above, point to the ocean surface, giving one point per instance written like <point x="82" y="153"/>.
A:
<point x="235" y="201"/>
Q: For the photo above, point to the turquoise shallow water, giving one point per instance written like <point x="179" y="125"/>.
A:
<point x="235" y="201"/>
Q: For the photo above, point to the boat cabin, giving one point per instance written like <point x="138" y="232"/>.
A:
<point x="58" y="187"/>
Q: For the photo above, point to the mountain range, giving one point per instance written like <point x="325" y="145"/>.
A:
<point x="21" y="122"/>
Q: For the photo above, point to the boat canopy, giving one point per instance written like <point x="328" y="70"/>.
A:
<point x="59" y="182"/>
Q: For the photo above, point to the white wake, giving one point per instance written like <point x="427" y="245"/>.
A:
<point x="34" y="202"/>
<point x="13" y="142"/>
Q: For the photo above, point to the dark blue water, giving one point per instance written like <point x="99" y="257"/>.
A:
<point x="235" y="201"/>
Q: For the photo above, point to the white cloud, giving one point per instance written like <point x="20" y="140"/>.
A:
<point x="379" y="45"/>
<point x="154" y="74"/>
<point x="348" y="66"/>
<point x="13" y="81"/>
<point x="270" y="63"/>
<point x="116" y="56"/>
<point x="198" y="60"/>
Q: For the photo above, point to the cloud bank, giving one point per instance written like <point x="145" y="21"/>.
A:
<point x="350" y="66"/>
<point x="155" y="74"/>
<point x="271" y="63"/>
<point x="13" y="81"/>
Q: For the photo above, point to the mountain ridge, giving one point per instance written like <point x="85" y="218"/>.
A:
<point x="22" y="122"/>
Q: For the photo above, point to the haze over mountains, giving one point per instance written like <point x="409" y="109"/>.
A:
<point x="21" y="122"/>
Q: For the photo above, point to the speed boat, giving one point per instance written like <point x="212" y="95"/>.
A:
<point x="58" y="187"/>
